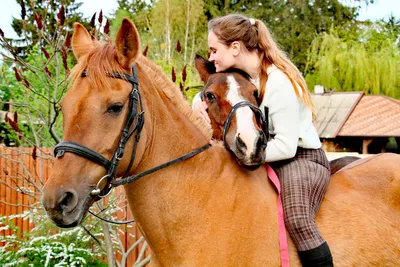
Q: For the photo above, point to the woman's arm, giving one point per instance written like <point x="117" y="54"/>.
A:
<point x="200" y="107"/>
<point x="284" y="118"/>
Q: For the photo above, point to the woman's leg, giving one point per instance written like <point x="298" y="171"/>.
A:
<point x="304" y="180"/>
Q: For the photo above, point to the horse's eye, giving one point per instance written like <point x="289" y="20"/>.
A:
<point x="115" y="108"/>
<point x="210" y="96"/>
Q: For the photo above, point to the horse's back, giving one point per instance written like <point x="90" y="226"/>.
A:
<point x="360" y="213"/>
<point x="378" y="176"/>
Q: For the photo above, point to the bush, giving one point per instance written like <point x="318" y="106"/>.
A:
<point x="71" y="247"/>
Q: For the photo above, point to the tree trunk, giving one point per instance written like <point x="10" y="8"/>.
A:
<point x="187" y="29"/>
<point x="193" y="42"/>
<point x="168" y="33"/>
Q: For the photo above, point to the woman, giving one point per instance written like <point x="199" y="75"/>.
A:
<point x="294" y="152"/>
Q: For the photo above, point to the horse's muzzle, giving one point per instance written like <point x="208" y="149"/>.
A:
<point x="66" y="208"/>
<point x="254" y="159"/>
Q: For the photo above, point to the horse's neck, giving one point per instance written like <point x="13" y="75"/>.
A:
<point x="208" y="195"/>
<point x="205" y="200"/>
<point x="169" y="132"/>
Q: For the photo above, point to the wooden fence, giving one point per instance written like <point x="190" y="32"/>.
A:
<point x="23" y="171"/>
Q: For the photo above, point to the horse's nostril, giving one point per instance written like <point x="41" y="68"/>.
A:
<point x="261" y="141"/>
<point x="240" y="145"/>
<point x="68" y="201"/>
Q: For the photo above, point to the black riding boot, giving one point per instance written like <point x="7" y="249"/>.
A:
<point x="317" y="257"/>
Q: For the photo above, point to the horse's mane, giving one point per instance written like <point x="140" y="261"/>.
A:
<point x="239" y="71"/>
<point x="101" y="60"/>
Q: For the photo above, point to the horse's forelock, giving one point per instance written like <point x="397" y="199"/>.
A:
<point x="98" y="62"/>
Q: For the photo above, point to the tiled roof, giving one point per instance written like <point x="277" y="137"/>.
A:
<point x="332" y="110"/>
<point x="374" y="116"/>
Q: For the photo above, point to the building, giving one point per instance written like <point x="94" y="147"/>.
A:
<point x="355" y="122"/>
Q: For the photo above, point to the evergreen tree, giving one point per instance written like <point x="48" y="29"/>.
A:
<point x="38" y="21"/>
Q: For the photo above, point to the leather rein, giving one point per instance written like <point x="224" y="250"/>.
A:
<point x="111" y="165"/>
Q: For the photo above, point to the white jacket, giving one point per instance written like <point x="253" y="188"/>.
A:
<point x="290" y="121"/>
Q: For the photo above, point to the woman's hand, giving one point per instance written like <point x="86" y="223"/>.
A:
<point x="200" y="109"/>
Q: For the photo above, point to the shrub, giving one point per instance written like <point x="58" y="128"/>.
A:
<point x="70" y="247"/>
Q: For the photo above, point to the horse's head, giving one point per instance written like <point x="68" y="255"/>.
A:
<point x="235" y="117"/>
<point x="95" y="110"/>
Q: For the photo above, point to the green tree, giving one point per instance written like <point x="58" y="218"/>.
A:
<point x="368" y="62"/>
<point x="178" y="20"/>
<point x="39" y="21"/>
<point x="295" y="24"/>
<point x="136" y="10"/>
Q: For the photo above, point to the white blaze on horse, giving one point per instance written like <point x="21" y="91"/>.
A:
<point x="206" y="210"/>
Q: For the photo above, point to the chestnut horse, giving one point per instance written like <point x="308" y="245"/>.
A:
<point x="206" y="210"/>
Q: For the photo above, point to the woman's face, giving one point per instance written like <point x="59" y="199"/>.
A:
<point x="222" y="55"/>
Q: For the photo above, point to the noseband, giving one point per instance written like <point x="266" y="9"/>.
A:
<point x="112" y="164"/>
<point x="261" y="119"/>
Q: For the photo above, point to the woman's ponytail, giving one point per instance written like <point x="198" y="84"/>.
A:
<point x="270" y="53"/>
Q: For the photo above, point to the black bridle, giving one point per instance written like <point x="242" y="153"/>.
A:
<point x="261" y="119"/>
<point x="133" y="124"/>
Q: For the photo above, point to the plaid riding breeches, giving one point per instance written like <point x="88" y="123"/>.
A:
<point x="304" y="180"/>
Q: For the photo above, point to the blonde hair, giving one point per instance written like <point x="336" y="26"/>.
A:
<point x="254" y="35"/>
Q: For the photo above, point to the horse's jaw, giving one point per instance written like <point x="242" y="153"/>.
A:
<point x="250" y="162"/>
<point x="250" y="167"/>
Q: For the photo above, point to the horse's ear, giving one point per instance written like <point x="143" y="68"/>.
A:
<point x="81" y="41"/>
<point x="127" y="44"/>
<point x="204" y="67"/>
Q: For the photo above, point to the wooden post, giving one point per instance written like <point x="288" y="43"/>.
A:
<point x="366" y="143"/>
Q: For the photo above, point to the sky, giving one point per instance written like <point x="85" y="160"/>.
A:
<point x="381" y="9"/>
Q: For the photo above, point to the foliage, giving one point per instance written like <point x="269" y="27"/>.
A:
<point x="137" y="11"/>
<point x="37" y="87"/>
<point x="73" y="247"/>
<point x="369" y="63"/>
<point x="185" y="78"/>
<point x="169" y="25"/>
<point x="35" y="98"/>
<point x="295" y="24"/>
<point x="173" y="47"/>
<point x="40" y="21"/>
